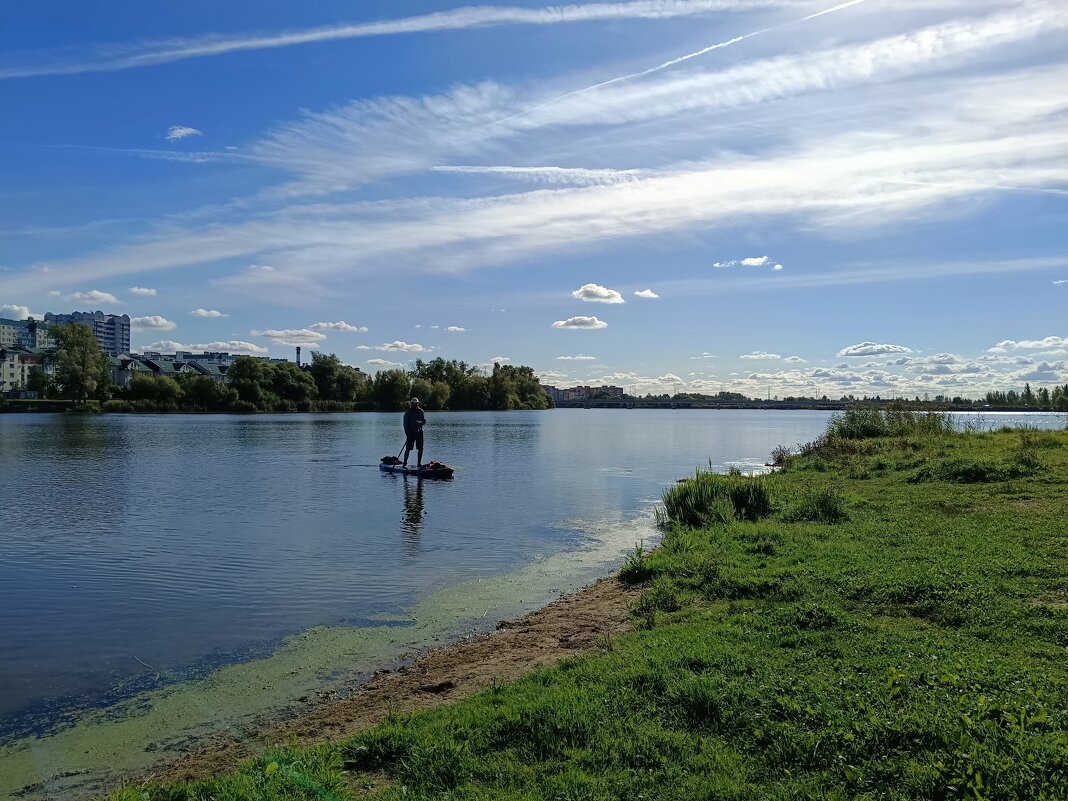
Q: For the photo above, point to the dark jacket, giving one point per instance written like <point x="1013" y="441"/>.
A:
<point x="414" y="419"/>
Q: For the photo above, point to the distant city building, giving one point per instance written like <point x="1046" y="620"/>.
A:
<point x="28" y="333"/>
<point x="16" y="362"/>
<point x="112" y="331"/>
<point x="583" y="392"/>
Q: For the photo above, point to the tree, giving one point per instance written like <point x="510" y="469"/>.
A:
<point x="291" y="383"/>
<point x="251" y="379"/>
<point x="204" y="393"/>
<point x="80" y="365"/>
<point x="37" y="380"/>
<point x="336" y="380"/>
<point x="390" y="390"/>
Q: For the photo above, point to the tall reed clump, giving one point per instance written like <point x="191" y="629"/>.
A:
<point x="709" y="498"/>
<point x="860" y="423"/>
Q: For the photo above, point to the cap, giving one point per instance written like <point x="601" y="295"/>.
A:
<point x="415" y="400"/>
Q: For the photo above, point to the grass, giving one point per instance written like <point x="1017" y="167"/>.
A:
<point x="836" y="630"/>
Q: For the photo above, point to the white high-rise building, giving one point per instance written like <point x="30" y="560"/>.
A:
<point x="112" y="331"/>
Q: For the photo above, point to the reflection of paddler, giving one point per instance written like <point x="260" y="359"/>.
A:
<point x="412" y="523"/>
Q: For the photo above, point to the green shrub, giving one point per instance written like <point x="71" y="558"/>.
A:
<point x="821" y="506"/>
<point x="710" y="498"/>
<point x="861" y="423"/>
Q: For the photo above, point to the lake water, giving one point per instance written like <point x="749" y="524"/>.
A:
<point x="138" y="546"/>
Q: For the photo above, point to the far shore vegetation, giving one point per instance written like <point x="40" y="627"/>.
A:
<point x="82" y="381"/>
<point x="882" y="617"/>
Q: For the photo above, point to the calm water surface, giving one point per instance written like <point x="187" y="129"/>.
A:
<point x="181" y="542"/>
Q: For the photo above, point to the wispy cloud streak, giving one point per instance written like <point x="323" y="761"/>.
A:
<point x="122" y="57"/>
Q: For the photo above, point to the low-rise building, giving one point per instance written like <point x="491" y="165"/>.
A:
<point x="16" y="362"/>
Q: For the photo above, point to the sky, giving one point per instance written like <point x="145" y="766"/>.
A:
<point x="775" y="197"/>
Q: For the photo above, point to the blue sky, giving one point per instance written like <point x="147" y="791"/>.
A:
<point x="869" y="197"/>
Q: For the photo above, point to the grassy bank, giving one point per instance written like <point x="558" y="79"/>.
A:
<point x="887" y="617"/>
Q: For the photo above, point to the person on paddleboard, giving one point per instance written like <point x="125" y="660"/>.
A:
<point x="414" y="420"/>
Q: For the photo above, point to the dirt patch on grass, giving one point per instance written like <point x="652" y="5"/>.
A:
<point x="440" y="676"/>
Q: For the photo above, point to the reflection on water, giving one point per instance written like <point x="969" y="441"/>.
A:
<point x="412" y="522"/>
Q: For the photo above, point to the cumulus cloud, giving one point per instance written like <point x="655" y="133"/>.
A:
<point x="755" y="261"/>
<point x="581" y="357"/>
<point x="142" y="291"/>
<point x="1062" y="281"/>
<point x="152" y="323"/>
<point x="1028" y="344"/>
<point x="94" y="296"/>
<point x="208" y="313"/>
<point x="872" y="349"/>
<point x="397" y="346"/>
<point x="341" y="325"/>
<point x="383" y="363"/>
<point x="552" y="375"/>
<point x="235" y="346"/>
<point x="580" y="322"/>
<point x="646" y="293"/>
<point x="500" y="360"/>
<point x="455" y="329"/>
<point x="758" y="355"/>
<point x="595" y="293"/>
<point x="176" y="132"/>
<point x="14" y="312"/>
<point x="291" y="336"/>
<point x="794" y="359"/>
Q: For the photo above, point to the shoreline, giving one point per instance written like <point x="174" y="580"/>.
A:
<point x="441" y="675"/>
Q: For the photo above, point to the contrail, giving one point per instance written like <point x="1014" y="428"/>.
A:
<point x="122" y="57"/>
<point x="679" y="60"/>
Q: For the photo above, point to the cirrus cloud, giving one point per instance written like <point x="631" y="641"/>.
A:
<point x="580" y="322"/>
<point x="595" y="293"/>
<point x="176" y="132"/>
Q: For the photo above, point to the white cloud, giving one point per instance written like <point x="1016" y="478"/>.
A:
<point x="176" y="132"/>
<point x="383" y="363"/>
<point x="1062" y="281"/>
<point x="94" y="296"/>
<point x="499" y="360"/>
<point x="553" y="176"/>
<point x="455" y="329"/>
<point x="577" y="358"/>
<point x="548" y="376"/>
<point x="207" y="313"/>
<point x="580" y="322"/>
<point x="397" y="346"/>
<point x="645" y="293"/>
<point x="751" y="261"/>
<point x="705" y="355"/>
<point x="14" y="312"/>
<point x="364" y="347"/>
<point x="142" y="291"/>
<point x="153" y="322"/>
<point x="147" y="53"/>
<point x="794" y="360"/>
<point x="1028" y="344"/>
<point x="761" y="356"/>
<point x="872" y="349"/>
<point x="595" y="293"/>
<point x="339" y="326"/>
<point x="236" y="346"/>
<point x="291" y="336"/>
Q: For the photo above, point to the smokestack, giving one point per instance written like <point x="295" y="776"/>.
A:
<point x="298" y="355"/>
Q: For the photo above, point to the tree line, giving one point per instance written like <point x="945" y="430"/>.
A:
<point x="82" y="374"/>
